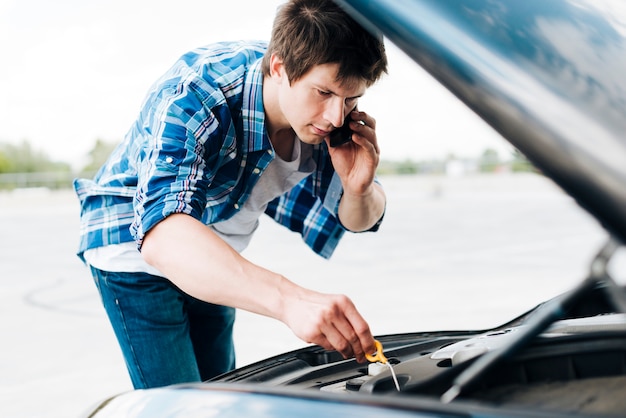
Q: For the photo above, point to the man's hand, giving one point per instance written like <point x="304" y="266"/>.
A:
<point x="330" y="321"/>
<point x="363" y="201"/>
<point x="356" y="162"/>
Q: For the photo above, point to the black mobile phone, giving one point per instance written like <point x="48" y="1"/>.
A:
<point x="343" y="134"/>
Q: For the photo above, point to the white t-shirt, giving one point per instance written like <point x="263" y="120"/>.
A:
<point x="279" y="177"/>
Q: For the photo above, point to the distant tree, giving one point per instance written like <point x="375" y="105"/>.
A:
<point x="23" y="158"/>
<point x="489" y="161"/>
<point x="5" y="162"/>
<point x="22" y="166"/>
<point x="98" y="155"/>
<point x="406" y="167"/>
<point x="520" y="163"/>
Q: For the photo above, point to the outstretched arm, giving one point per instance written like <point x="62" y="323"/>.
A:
<point x="201" y="264"/>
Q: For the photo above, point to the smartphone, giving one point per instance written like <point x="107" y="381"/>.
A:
<point x="343" y="134"/>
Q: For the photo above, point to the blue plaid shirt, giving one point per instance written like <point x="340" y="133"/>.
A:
<point x="198" y="147"/>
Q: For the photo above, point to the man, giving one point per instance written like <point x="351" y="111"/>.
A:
<point x="230" y="132"/>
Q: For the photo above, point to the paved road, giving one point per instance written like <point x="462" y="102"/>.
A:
<point x="453" y="253"/>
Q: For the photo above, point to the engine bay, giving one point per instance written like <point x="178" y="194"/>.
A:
<point x="568" y="355"/>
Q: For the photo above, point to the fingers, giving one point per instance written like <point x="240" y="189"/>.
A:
<point x="365" y="126"/>
<point x="343" y="329"/>
<point x="330" y="321"/>
<point x="355" y="333"/>
<point x="364" y="117"/>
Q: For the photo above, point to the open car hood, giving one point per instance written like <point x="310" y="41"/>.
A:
<point x="549" y="76"/>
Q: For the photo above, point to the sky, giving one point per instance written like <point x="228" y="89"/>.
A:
<point x="74" y="71"/>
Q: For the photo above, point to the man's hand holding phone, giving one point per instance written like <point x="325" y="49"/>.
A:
<point x="343" y="134"/>
<point x="355" y="157"/>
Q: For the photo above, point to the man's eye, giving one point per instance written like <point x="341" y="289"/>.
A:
<point x="323" y="93"/>
<point x="352" y="102"/>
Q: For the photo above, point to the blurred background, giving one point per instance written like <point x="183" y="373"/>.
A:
<point x="473" y="235"/>
<point x="75" y="73"/>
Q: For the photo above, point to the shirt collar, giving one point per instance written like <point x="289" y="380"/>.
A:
<point x="253" y="113"/>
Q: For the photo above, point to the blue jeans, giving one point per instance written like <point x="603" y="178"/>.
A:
<point x="166" y="336"/>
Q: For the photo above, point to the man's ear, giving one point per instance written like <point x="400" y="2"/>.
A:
<point x="277" y="68"/>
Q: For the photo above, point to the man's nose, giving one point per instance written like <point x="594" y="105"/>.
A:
<point x="336" y="112"/>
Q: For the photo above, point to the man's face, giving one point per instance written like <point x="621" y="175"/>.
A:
<point x="317" y="103"/>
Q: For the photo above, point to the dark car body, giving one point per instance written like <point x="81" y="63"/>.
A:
<point x="550" y="77"/>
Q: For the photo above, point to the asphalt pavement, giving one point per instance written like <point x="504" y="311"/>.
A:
<point x="453" y="253"/>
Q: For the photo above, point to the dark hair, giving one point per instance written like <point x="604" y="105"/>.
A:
<point x="307" y="33"/>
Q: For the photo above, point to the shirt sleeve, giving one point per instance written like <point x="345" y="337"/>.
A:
<point x="183" y="140"/>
